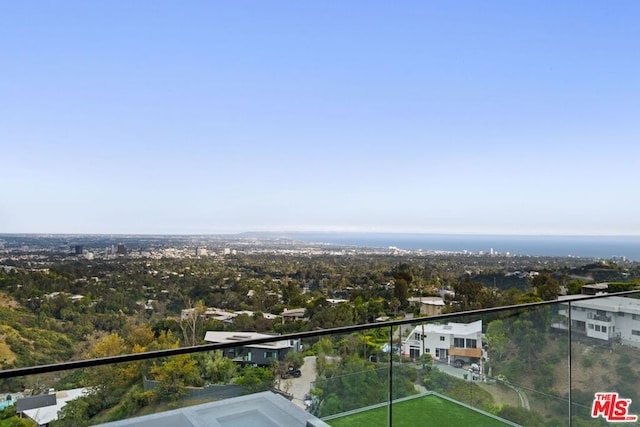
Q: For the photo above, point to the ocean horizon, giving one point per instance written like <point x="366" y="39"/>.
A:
<point x="601" y="247"/>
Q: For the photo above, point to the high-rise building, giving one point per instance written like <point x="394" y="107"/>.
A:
<point x="79" y="249"/>
<point x="122" y="249"/>
<point x="201" y="251"/>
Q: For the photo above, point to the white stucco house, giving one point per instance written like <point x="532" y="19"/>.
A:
<point x="605" y="319"/>
<point x="453" y="343"/>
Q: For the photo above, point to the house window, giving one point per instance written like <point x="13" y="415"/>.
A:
<point x="590" y="325"/>
<point x="621" y="314"/>
<point x="597" y="328"/>
<point x="437" y="352"/>
<point x="458" y="342"/>
<point x="634" y="316"/>
<point x="471" y="343"/>
<point x="427" y="350"/>
<point x="604" y="329"/>
<point x="636" y="333"/>
<point x="441" y="338"/>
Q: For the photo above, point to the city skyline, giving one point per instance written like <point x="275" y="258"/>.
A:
<point x="209" y="118"/>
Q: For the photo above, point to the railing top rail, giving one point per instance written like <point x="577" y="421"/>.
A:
<point x="86" y="363"/>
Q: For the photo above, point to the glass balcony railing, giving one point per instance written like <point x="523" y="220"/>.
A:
<point x="554" y="363"/>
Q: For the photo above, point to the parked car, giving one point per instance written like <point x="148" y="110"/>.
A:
<point x="308" y="401"/>
<point x="292" y="372"/>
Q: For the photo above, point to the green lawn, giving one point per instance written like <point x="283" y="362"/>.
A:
<point x="429" y="410"/>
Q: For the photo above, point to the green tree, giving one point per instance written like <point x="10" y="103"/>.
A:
<point x="332" y="317"/>
<point x="496" y="337"/>
<point x="546" y="287"/>
<point x="256" y="379"/>
<point x="294" y="358"/>
<point x="469" y="294"/>
<point x="174" y="374"/>
<point x="108" y="381"/>
<point x="218" y="368"/>
<point x="74" y="414"/>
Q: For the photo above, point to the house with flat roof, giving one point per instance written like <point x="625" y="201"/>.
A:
<point x="294" y="314"/>
<point x="255" y="354"/>
<point x="604" y="319"/>
<point x="595" y="289"/>
<point x="453" y="343"/>
<point x="429" y="306"/>
<point x="43" y="409"/>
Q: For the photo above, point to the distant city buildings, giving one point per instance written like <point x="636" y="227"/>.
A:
<point x="201" y="251"/>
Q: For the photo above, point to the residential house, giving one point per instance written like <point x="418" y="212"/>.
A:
<point x="595" y="289"/>
<point x="453" y="343"/>
<point x="429" y="306"/>
<point x="255" y="354"/>
<point x="43" y="409"/>
<point x="227" y="317"/>
<point x="294" y="314"/>
<point x="605" y="319"/>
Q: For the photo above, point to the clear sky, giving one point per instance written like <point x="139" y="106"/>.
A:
<point x="509" y="117"/>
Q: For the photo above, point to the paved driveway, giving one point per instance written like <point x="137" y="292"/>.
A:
<point x="452" y="370"/>
<point x="299" y="387"/>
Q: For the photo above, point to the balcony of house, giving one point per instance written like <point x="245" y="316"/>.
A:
<point x="528" y="373"/>
<point x="600" y="317"/>
<point x="466" y="352"/>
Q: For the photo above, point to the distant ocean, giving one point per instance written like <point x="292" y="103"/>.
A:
<point x="603" y="247"/>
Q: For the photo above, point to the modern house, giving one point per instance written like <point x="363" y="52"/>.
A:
<point x="43" y="409"/>
<point x="212" y="313"/>
<point x="294" y="314"/>
<point x="604" y="319"/>
<point x="429" y="306"/>
<point x="255" y="354"/>
<point x="595" y="289"/>
<point x="453" y="343"/>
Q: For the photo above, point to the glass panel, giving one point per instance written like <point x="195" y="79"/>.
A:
<point x="514" y="366"/>
<point x="200" y="386"/>
<point x="352" y="374"/>
<point x="605" y="350"/>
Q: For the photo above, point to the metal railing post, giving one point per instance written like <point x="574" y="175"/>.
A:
<point x="569" y="362"/>
<point x="390" y="411"/>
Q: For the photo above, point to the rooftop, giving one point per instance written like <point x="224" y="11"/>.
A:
<point x="261" y="409"/>
<point x="451" y="328"/>
<point x="612" y="304"/>
<point x="48" y="406"/>
<point x="230" y="337"/>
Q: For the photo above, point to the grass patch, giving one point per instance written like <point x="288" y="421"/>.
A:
<point x="426" y="410"/>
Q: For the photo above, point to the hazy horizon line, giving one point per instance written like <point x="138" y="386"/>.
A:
<point x="312" y="231"/>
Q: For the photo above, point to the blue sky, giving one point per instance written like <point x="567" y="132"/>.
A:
<point x="206" y="117"/>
